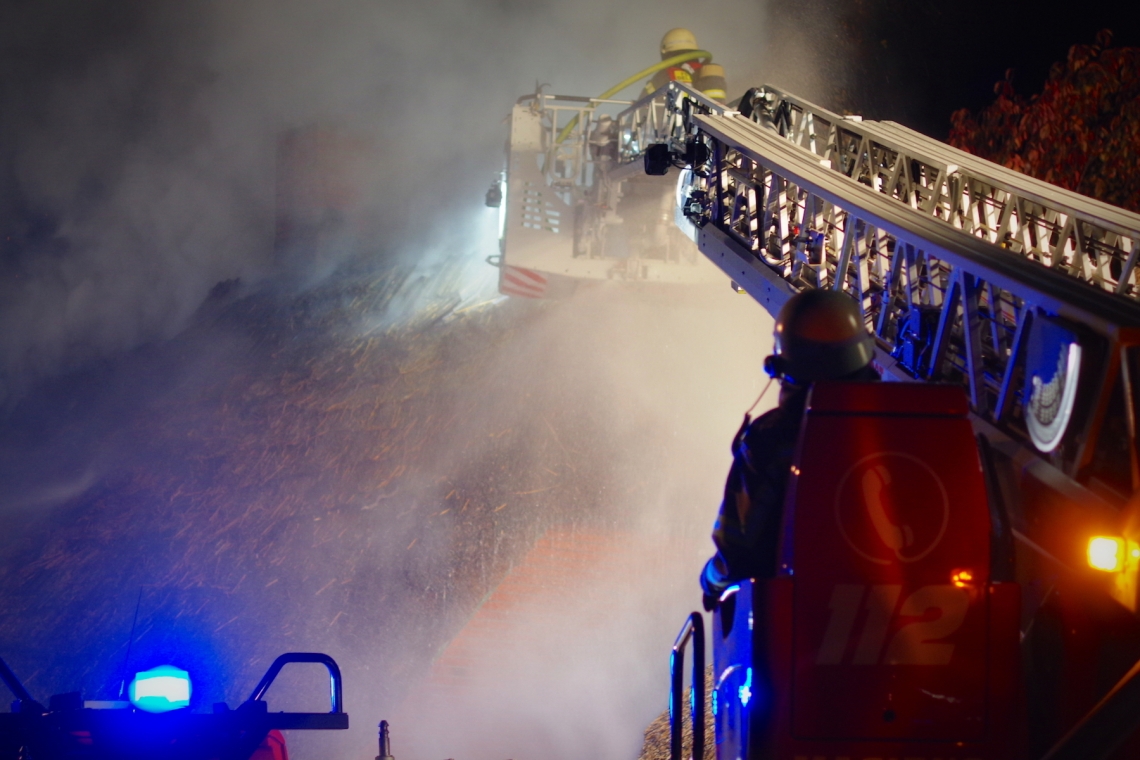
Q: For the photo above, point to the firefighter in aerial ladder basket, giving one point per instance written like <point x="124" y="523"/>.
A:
<point x="819" y="336"/>
<point x="707" y="77"/>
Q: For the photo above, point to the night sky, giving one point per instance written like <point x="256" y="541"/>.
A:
<point x="916" y="61"/>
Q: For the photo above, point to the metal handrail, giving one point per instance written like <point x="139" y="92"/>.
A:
<point x="569" y="99"/>
<point x="662" y="117"/>
<point x="694" y="629"/>
<point x="336" y="687"/>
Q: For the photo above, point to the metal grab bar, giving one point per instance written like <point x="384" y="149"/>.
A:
<point x="694" y="628"/>
<point x="336" y="687"/>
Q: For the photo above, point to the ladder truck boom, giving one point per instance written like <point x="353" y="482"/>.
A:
<point x="1092" y="240"/>
<point x="979" y="304"/>
<point x="944" y="301"/>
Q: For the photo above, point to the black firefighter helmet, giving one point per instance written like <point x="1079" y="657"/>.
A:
<point x="819" y="336"/>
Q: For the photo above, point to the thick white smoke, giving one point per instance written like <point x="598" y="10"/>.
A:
<point x="137" y="170"/>
<point x="137" y="159"/>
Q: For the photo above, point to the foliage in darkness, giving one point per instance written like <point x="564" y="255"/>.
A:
<point x="1082" y="132"/>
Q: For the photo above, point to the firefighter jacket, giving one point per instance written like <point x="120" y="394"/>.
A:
<point x="690" y="73"/>
<point x="747" y="530"/>
<point x="686" y="73"/>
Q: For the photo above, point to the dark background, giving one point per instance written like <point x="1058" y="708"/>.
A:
<point x="918" y="62"/>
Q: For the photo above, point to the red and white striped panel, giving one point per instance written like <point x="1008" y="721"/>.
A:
<point x="515" y="281"/>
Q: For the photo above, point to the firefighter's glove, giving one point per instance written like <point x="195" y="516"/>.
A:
<point x="714" y="580"/>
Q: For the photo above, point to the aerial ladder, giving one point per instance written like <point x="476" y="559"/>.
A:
<point x="1024" y="297"/>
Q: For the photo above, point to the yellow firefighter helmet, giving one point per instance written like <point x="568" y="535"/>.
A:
<point x="677" y="41"/>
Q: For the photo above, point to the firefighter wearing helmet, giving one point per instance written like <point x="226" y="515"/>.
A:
<point x="707" y="77"/>
<point x="819" y="336"/>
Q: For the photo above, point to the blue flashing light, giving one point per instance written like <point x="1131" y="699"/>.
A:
<point x="745" y="690"/>
<point x="161" y="689"/>
<point x="672" y="669"/>
<point x="714" y="703"/>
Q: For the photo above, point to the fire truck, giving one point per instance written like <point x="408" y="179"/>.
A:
<point x="958" y="569"/>
<point x="156" y="722"/>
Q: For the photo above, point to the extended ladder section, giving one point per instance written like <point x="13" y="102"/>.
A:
<point x="1088" y="239"/>
<point x="965" y="272"/>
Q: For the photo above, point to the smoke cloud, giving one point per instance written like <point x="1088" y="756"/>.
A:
<point x="138" y="161"/>
<point x="138" y="168"/>
<point x="580" y="659"/>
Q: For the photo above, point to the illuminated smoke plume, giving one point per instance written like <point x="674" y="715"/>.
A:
<point x="138" y="140"/>
<point x="137" y="172"/>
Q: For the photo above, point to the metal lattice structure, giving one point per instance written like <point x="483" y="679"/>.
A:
<point x="655" y="119"/>
<point x="951" y="263"/>
<point x="1087" y="239"/>
<point x="572" y="210"/>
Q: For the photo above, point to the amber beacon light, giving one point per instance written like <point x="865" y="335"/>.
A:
<point x="1107" y="553"/>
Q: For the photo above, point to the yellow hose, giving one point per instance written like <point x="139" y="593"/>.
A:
<point x="688" y="55"/>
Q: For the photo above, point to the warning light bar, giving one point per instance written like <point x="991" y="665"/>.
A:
<point x="161" y="689"/>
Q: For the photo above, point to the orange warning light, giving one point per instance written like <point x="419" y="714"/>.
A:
<point x="1106" y="553"/>
<point x="962" y="578"/>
